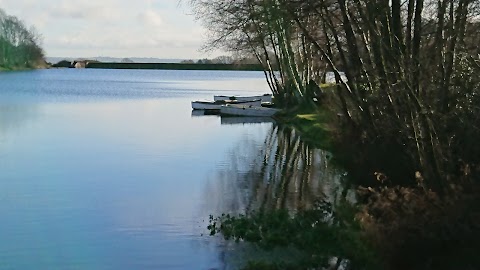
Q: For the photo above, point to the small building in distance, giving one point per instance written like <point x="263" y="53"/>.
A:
<point x="80" y="64"/>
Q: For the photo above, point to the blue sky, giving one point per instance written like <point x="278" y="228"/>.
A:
<point x="118" y="28"/>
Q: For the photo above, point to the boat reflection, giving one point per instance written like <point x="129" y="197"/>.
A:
<point x="235" y="120"/>
<point x="196" y="113"/>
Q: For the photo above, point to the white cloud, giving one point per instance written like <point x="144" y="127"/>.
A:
<point x="150" y="18"/>
<point x="85" y="10"/>
<point x="119" y="28"/>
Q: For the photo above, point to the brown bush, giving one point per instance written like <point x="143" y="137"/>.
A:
<point x="414" y="228"/>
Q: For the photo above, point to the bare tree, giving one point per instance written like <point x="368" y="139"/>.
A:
<point x="411" y="67"/>
<point x="264" y="29"/>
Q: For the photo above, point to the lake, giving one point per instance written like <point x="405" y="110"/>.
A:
<point x="109" y="169"/>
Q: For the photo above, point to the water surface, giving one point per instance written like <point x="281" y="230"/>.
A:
<point x="109" y="169"/>
<point x="106" y="169"/>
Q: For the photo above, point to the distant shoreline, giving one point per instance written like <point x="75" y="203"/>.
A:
<point x="171" y="66"/>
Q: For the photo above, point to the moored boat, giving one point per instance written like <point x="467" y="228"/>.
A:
<point x="216" y="105"/>
<point x="264" y="98"/>
<point x="245" y="110"/>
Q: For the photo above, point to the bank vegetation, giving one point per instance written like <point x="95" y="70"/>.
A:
<point x="406" y="103"/>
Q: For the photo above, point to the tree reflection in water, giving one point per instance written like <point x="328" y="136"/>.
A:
<point x="282" y="172"/>
<point x="14" y="114"/>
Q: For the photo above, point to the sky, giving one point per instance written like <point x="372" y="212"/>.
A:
<point x="114" y="28"/>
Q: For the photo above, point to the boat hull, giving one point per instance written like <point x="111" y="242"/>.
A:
<point x="216" y="105"/>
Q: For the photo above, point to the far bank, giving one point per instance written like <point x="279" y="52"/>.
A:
<point x="158" y="66"/>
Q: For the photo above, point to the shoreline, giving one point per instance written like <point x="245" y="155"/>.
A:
<point x="11" y="69"/>
<point x="159" y="66"/>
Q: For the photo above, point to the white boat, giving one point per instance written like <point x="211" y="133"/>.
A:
<point x="264" y="98"/>
<point x="245" y="110"/>
<point x="216" y="105"/>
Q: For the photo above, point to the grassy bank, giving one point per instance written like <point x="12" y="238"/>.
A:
<point x="13" y="69"/>
<point x="314" y="126"/>
<point x="43" y="65"/>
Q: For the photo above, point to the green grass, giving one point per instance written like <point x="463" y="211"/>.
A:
<point x="314" y="126"/>
<point x="317" y="126"/>
<point x="19" y="68"/>
<point x="14" y="68"/>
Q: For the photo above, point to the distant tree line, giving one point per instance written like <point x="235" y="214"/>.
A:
<point x="235" y="60"/>
<point x="19" y="44"/>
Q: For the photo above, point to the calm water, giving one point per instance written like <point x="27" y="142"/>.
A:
<point x="109" y="169"/>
